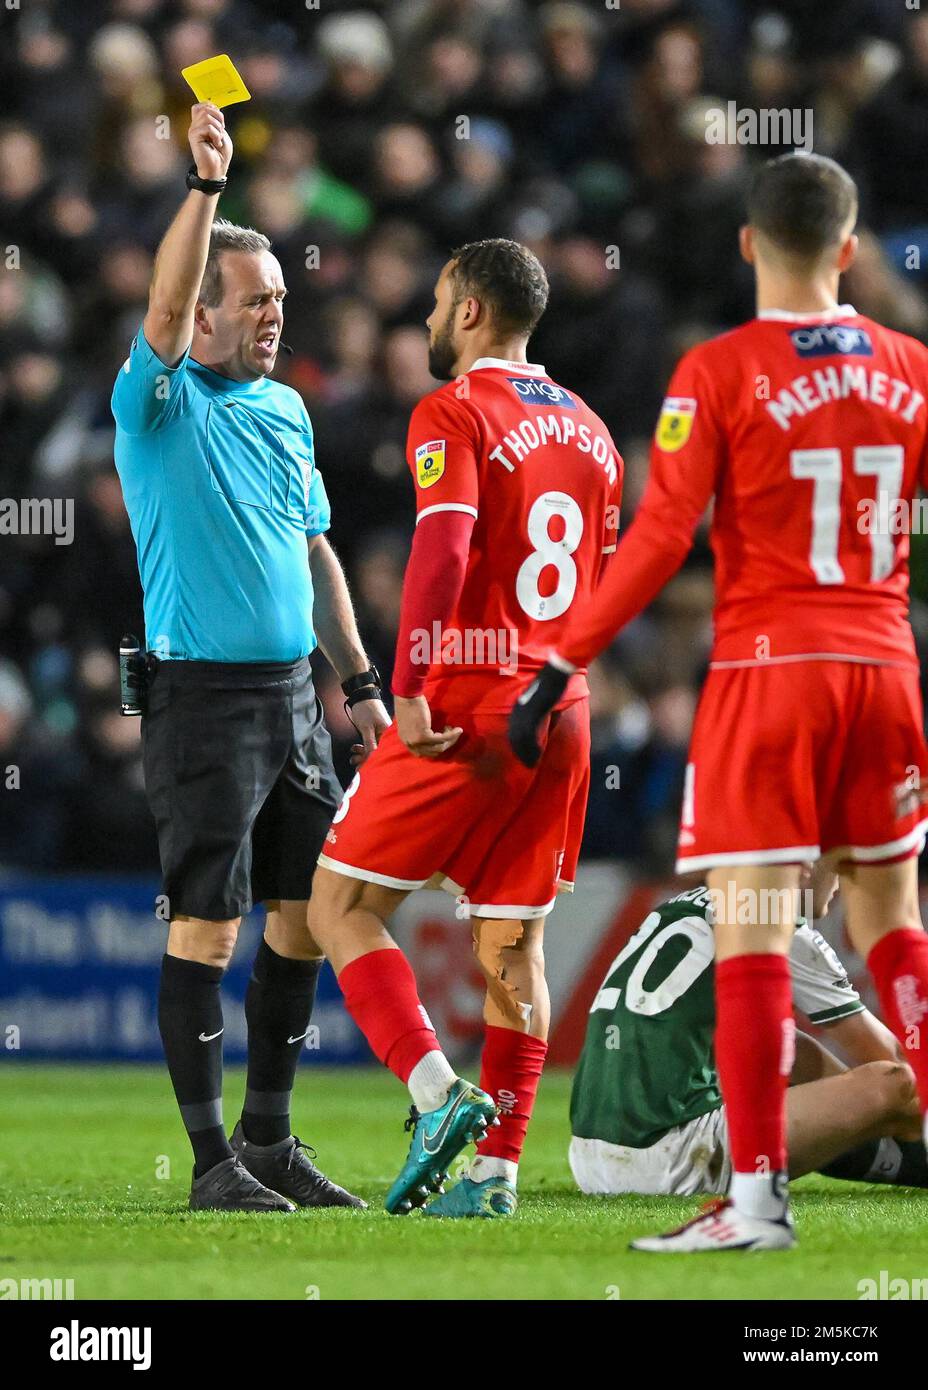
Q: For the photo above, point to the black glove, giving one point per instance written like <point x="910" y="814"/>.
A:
<point x="536" y="701"/>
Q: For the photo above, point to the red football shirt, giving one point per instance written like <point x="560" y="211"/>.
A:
<point x="810" y="434"/>
<point x="541" y="475"/>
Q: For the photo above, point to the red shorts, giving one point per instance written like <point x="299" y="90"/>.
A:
<point x="504" y="835"/>
<point x="795" y="760"/>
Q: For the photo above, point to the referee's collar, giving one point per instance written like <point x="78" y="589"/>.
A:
<point x="526" y="368"/>
<point x="226" y="383"/>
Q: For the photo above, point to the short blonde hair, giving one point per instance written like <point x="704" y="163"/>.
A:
<point x="226" y="236"/>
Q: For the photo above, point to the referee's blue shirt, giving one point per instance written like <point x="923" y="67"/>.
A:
<point x="221" y="487"/>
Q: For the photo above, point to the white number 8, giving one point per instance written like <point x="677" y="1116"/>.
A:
<point x="345" y="806"/>
<point x="550" y="552"/>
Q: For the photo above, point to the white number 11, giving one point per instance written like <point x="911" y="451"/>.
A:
<point x="885" y="462"/>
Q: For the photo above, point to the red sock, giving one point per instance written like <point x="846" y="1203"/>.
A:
<point x="899" y="966"/>
<point x="754" y="1046"/>
<point x="510" y="1069"/>
<point x="381" y="996"/>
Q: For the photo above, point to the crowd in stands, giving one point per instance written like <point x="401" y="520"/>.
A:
<point x="378" y="137"/>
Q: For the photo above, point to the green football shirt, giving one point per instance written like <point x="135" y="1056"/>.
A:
<point x="648" y="1062"/>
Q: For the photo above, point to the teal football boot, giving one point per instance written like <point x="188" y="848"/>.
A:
<point x="438" y="1137"/>
<point x="491" y="1197"/>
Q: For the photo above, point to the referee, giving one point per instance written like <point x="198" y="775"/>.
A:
<point x="229" y="513"/>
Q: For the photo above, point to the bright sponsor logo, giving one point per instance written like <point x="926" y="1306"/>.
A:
<point x="430" y="462"/>
<point x="831" y="340"/>
<point x="534" y="392"/>
<point x="676" y="423"/>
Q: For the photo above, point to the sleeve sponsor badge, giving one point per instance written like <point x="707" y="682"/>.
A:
<point x="430" y="462"/>
<point x="675" y="424"/>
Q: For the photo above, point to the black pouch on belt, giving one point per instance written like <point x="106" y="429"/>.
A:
<point x="133" y="676"/>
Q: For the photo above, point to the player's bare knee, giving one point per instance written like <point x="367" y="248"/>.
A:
<point x="891" y="1085"/>
<point x="287" y="933"/>
<point x="899" y="1084"/>
<point x="220" y="943"/>
<point x="209" y="943"/>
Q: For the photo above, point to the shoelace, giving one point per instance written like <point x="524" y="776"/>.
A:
<point x="411" y="1120"/>
<point x="237" y="1173"/>
<point x="307" y="1148"/>
<point x="710" y="1208"/>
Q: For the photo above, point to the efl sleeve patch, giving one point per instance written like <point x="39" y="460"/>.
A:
<point x="430" y="462"/>
<point x="676" y="423"/>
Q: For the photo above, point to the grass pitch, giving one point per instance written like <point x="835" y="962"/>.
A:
<point x="95" y="1170"/>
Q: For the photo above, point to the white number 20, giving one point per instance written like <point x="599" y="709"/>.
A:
<point x="885" y="462"/>
<point x="550" y="552"/>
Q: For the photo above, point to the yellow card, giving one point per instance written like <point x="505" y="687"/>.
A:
<point x="216" y="80"/>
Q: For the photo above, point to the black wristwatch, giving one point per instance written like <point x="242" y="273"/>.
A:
<point x="367" y="685"/>
<point x="204" y="185"/>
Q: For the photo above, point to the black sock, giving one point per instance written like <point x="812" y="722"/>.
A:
<point x="899" y="1163"/>
<point x="278" y="1007"/>
<point x="190" y="1022"/>
<point x="913" y="1171"/>
<point x="854" y="1165"/>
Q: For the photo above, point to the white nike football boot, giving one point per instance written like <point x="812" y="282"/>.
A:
<point x="720" y="1226"/>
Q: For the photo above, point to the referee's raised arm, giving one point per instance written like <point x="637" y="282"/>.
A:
<point x="181" y="257"/>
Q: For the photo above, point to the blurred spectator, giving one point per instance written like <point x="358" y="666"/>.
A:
<point x="595" y="304"/>
<point x="576" y="119"/>
<point x="407" y="176"/>
<point x="25" y="183"/>
<point x="396" y="273"/>
<point x="126" y="65"/>
<point x="106" y="809"/>
<point x="880" y="150"/>
<point x="114" y="304"/>
<point x="37" y="392"/>
<point x="480" y="161"/>
<point x="30" y="814"/>
<point x="704" y="275"/>
<point x="356" y="98"/>
<point x="875" y="288"/>
<point x="668" y="84"/>
<point x="144" y="199"/>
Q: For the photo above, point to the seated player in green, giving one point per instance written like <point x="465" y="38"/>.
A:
<point x="646" y="1111"/>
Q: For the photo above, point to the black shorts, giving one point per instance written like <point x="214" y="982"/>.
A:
<point x="239" y="776"/>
